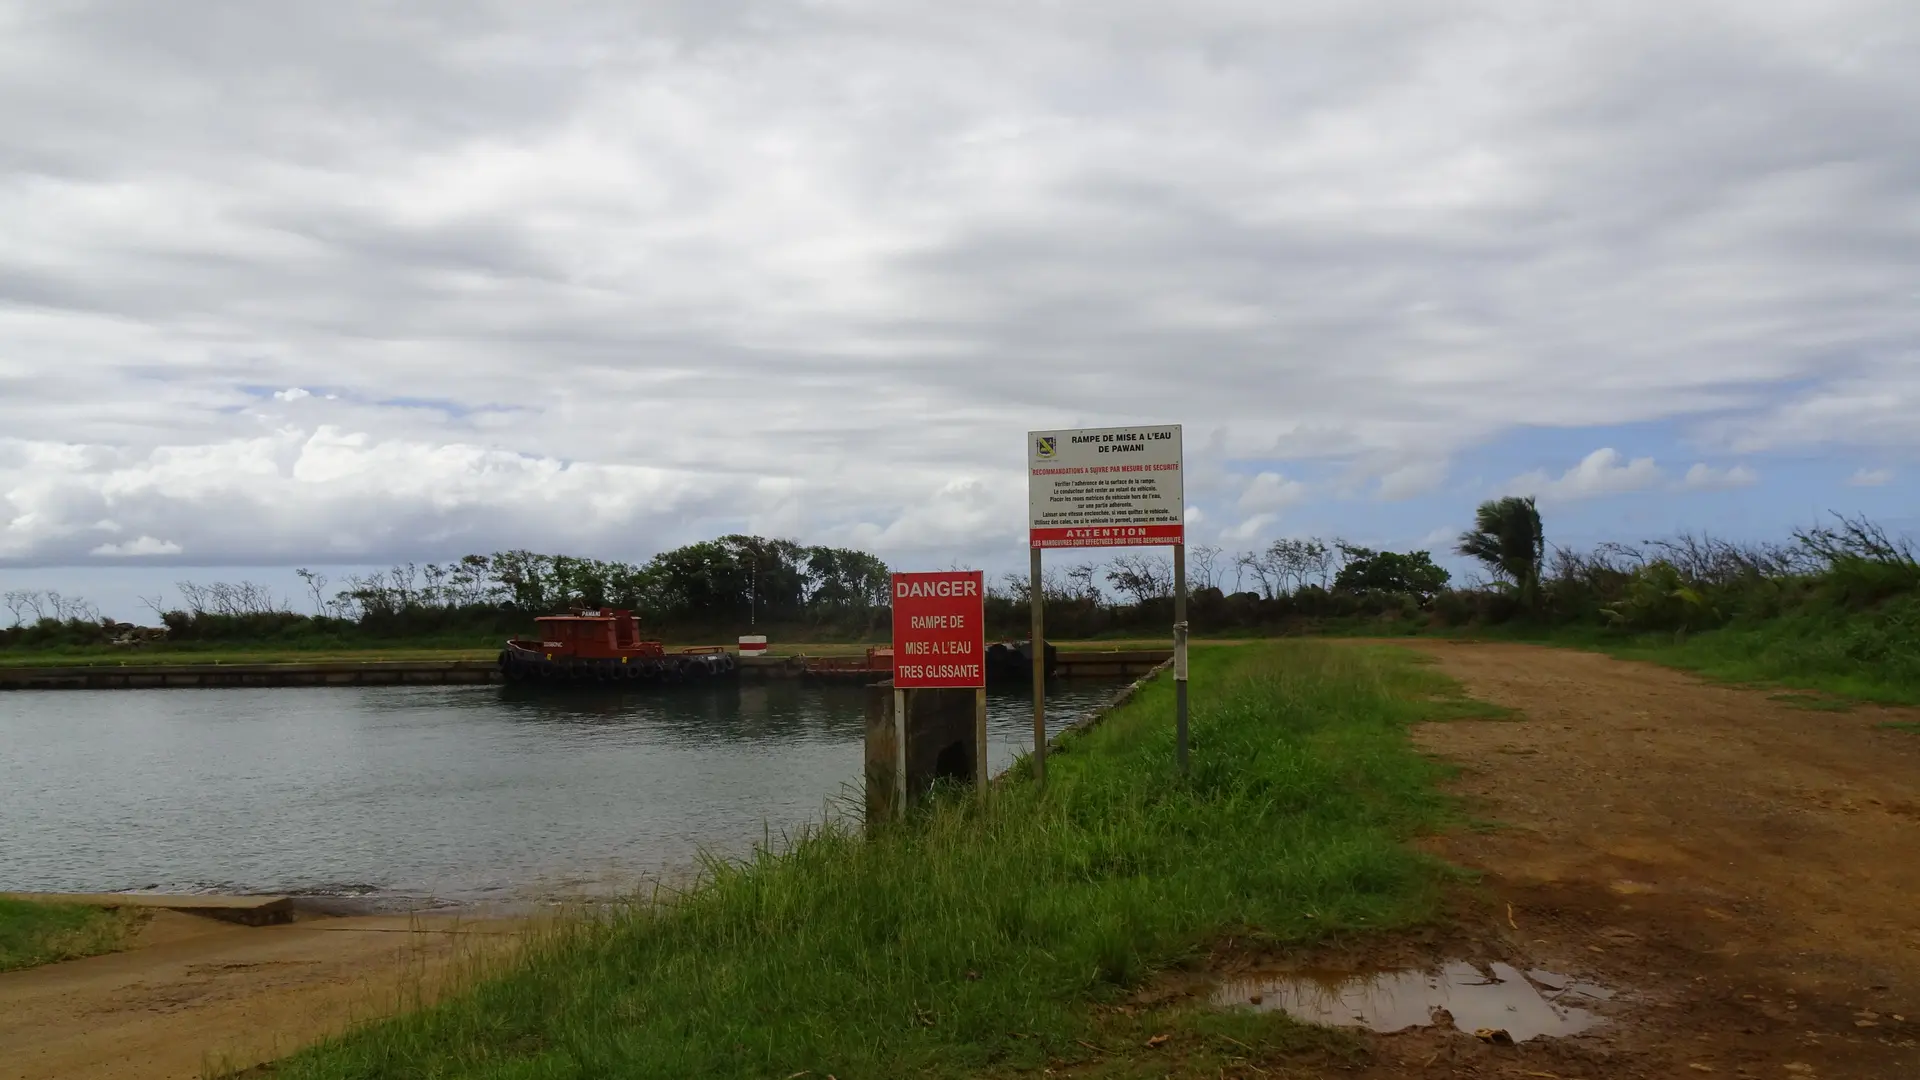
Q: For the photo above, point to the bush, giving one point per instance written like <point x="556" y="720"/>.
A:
<point x="55" y="633"/>
<point x="1862" y="564"/>
<point x="1369" y="571"/>
<point x="1656" y="597"/>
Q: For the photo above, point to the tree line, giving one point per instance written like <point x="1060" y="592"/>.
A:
<point x="721" y="585"/>
<point x="713" y="587"/>
<point x="1692" y="582"/>
<point x="733" y="578"/>
<point x="717" y="588"/>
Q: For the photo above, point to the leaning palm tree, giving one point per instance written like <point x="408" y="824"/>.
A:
<point x="1507" y="538"/>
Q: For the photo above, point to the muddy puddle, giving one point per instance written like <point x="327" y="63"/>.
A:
<point x="1499" y="997"/>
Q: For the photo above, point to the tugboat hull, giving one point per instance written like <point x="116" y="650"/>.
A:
<point x="527" y="667"/>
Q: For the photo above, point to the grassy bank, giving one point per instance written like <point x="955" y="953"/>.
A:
<point x="1864" y="654"/>
<point x="987" y="941"/>
<point x="34" y="934"/>
<point x="1870" y="655"/>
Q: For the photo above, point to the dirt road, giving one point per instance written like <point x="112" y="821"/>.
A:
<point x="199" y="995"/>
<point x="1746" y="872"/>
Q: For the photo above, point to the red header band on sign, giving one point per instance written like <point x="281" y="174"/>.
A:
<point x="1110" y="536"/>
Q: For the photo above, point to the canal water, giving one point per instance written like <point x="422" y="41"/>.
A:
<point x="429" y="793"/>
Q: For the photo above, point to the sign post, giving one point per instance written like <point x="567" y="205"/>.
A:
<point x="1039" y="651"/>
<point x="1180" y="655"/>
<point x="1106" y="487"/>
<point x="940" y="643"/>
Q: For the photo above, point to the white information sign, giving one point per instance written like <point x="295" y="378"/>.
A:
<point x="1105" y="487"/>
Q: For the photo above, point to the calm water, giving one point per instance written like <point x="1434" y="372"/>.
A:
<point x="454" y="792"/>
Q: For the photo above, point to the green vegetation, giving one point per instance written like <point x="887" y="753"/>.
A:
<point x="1836" y="654"/>
<point x="1863" y="654"/>
<point x="1836" y="612"/>
<point x="32" y="934"/>
<point x="1368" y="571"/>
<point x="1509" y="540"/>
<point x="976" y="941"/>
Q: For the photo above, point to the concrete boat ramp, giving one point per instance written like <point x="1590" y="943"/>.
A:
<point x="246" y="910"/>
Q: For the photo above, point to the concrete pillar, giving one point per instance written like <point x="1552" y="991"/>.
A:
<point x="941" y="743"/>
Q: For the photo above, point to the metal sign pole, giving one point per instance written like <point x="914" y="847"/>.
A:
<point x="899" y="752"/>
<point x="1039" y="671"/>
<point x="1180" y="652"/>
<point x="981" y="776"/>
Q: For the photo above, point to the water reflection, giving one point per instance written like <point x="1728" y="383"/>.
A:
<point x="728" y="712"/>
<point x="448" y="791"/>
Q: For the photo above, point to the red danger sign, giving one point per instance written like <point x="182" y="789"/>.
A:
<point x="939" y="630"/>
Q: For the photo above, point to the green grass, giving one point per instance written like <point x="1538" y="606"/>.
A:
<point x="1902" y="725"/>
<point x="1836" y="656"/>
<point x="1871" y="655"/>
<point x="1002" y="939"/>
<point x="33" y="934"/>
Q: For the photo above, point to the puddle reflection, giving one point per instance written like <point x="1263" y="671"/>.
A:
<point x="1530" y="1005"/>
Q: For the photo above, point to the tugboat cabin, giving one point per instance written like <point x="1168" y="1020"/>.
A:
<point x="594" y="633"/>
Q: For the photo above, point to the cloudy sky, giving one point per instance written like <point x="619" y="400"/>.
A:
<point x="338" y="284"/>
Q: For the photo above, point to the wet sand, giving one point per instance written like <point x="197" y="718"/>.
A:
<point x="196" y="995"/>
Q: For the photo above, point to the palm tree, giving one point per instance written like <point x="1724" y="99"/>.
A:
<point x="1507" y="538"/>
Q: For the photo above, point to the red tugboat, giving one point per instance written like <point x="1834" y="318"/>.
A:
<point x="602" y="646"/>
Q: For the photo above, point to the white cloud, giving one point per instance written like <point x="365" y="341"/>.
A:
<point x="605" y="276"/>
<point x="1270" y="492"/>
<point x="959" y="510"/>
<point x="1411" y="480"/>
<point x="1704" y="477"/>
<point x="1603" y="472"/>
<point x="332" y="493"/>
<point x="1250" y="529"/>
<point x="1441" y="539"/>
<point x="1869" y="402"/>
<point x="1870" y="478"/>
<point x="145" y="545"/>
